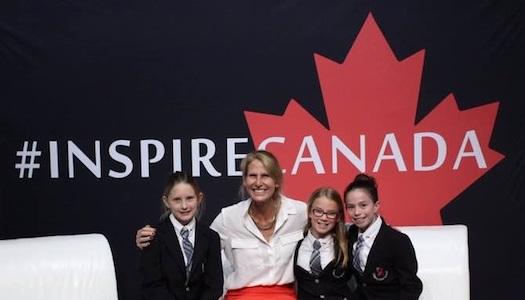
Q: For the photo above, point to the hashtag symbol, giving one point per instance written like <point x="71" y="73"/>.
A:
<point x="24" y="155"/>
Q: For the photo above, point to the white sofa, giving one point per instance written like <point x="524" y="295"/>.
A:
<point x="79" y="267"/>
<point x="74" y="267"/>
<point x="442" y="254"/>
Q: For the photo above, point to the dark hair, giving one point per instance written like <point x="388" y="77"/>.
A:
<point x="364" y="182"/>
<point x="339" y="231"/>
<point x="173" y="180"/>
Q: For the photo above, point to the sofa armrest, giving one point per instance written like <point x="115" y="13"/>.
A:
<point x="58" y="268"/>
<point x="442" y="254"/>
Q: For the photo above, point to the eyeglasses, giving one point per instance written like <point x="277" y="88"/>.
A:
<point x="319" y="213"/>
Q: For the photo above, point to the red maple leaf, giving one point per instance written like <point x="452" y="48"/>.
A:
<point x="371" y="100"/>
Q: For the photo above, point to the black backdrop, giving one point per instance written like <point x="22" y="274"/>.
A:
<point x="86" y="71"/>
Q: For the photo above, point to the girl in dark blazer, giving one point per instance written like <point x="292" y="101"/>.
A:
<point x="183" y="261"/>
<point x="383" y="259"/>
<point x="323" y="273"/>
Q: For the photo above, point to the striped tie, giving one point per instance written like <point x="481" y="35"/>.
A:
<point x="315" y="259"/>
<point x="186" y="245"/>
<point x="356" y="262"/>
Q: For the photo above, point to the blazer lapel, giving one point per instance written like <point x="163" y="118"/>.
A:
<point x="352" y="237"/>
<point x="199" y="249"/>
<point x="376" y="250"/>
<point x="172" y="243"/>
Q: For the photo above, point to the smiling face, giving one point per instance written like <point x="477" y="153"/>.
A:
<point x="323" y="216"/>
<point x="259" y="183"/>
<point x="183" y="202"/>
<point x="361" y="208"/>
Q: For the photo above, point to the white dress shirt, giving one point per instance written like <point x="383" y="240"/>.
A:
<point x="305" y="251"/>
<point x="369" y="237"/>
<point x="191" y="236"/>
<point x="250" y="260"/>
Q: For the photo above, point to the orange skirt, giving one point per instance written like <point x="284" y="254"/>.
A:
<point x="276" y="292"/>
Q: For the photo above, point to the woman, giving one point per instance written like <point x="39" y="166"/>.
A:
<point x="258" y="235"/>
<point x="383" y="258"/>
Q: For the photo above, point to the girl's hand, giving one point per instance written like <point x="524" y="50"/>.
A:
<point x="144" y="236"/>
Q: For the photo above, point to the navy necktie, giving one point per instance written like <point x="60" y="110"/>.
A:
<point x="315" y="259"/>
<point x="356" y="262"/>
<point x="186" y="245"/>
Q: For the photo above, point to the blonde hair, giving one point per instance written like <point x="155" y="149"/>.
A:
<point x="339" y="231"/>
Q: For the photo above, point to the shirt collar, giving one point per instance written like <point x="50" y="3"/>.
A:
<point x="326" y="241"/>
<point x="178" y="226"/>
<point x="371" y="232"/>
<point x="287" y="207"/>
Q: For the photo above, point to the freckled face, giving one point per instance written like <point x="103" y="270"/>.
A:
<point x="361" y="208"/>
<point x="183" y="202"/>
<point x="260" y="185"/>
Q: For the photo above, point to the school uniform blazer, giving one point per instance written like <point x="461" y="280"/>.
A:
<point x="330" y="284"/>
<point x="391" y="267"/>
<point x="164" y="270"/>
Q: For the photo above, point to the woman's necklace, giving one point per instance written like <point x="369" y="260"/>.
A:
<point x="269" y="225"/>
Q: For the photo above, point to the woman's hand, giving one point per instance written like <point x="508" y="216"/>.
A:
<point x="144" y="236"/>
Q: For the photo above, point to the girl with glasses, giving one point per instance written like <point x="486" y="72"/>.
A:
<point x="321" y="258"/>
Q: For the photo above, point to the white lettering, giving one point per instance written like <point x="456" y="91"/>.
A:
<point x="145" y="158"/>
<point x="121" y="158"/>
<point x="177" y="156"/>
<point x="339" y="147"/>
<point x="232" y="156"/>
<point x="418" y="151"/>
<point x="197" y="159"/>
<point x="270" y="140"/>
<point x="308" y="142"/>
<point x="471" y="138"/>
<point x="390" y="139"/>
<point x="53" y="159"/>
<point x="74" y="151"/>
<point x="203" y="151"/>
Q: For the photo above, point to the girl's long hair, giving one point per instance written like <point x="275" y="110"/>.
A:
<point x="339" y="231"/>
